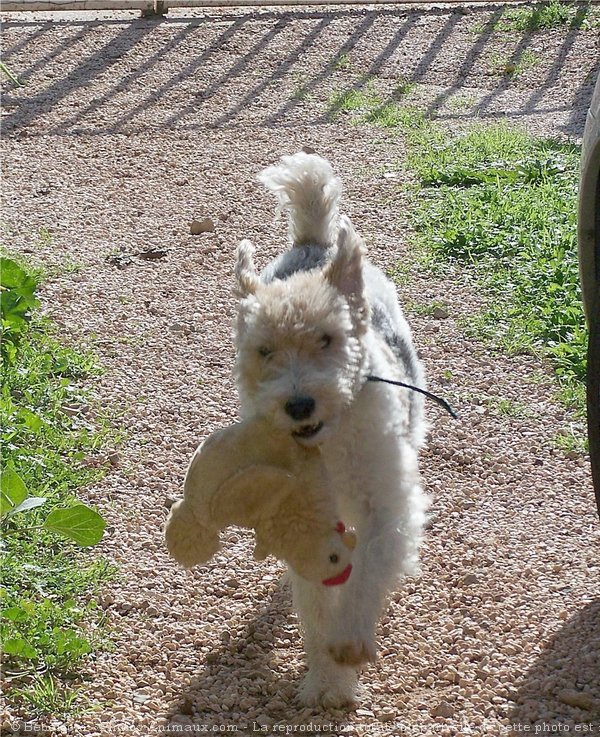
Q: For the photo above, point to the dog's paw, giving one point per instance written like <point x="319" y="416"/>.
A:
<point x="338" y="694"/>
<point x="353" y="652"/>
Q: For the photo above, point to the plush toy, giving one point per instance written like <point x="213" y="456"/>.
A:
<point x="253" y="476"/>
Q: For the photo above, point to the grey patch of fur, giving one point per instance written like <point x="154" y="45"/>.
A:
<point x="299" y="258"/>
<point x="402" y="349"/>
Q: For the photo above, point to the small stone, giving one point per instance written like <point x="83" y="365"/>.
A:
<point x="443" y="709"/>
<point x="387" y="715"/>
<point x="186" y="706"/>
<point x="264" y="721"/>
<point x="364" y="713"/>
<point x="152" y="254"/>
<point x="440" y="313"/>
<point x="309" y="150"/>
<point x="152" y="611"/>
<point x="180" y="328"/>
<point x="212" y="657"/>
<point x="114" y="459"/>
<point x="202" y="226"/>
<point x="232" y="583"/>
<point x="578" y="699"/>
<point x="168" y="502"/>
<point x="470" y="579"/>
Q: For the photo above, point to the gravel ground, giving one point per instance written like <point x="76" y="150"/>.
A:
<point x="127" y="130"/>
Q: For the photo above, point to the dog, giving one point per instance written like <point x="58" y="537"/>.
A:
<point x="310" y="329"/>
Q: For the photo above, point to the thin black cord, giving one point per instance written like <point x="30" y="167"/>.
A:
<point x="442" y="402"/>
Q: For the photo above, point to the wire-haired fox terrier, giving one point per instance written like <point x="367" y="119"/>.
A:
<point x="312" y="327"/>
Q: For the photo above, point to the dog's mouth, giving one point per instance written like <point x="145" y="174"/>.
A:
<point x="308" y="431"/>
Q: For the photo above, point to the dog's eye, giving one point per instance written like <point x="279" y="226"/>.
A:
<point x="264" y="351"/>
<point x="334" y="557"/>
<point x="325" y="341"/>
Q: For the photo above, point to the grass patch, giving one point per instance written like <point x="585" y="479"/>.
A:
<point x="364" y="99"/>
<point x="354" y="99"/>
<point x="513" y="68"/>
<point x="508" y="407"/>
<point x="501" y="206"/>
<point x="546" y="16"/>
<point x="436" y="309"/>
<point x="52" y="436"/>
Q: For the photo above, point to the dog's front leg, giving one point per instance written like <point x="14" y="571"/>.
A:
<point x="327" y="682"/>
<point x="382" y="548"/>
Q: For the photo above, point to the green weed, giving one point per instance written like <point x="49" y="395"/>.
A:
<point x="47" y="695"/>
<point x="52" y="433"/>
<point x="432" y="308"/>
<point x="342" y="62"/>
<point x="572" y="441"/>
<point x="354" y="99"/>
<point x="508" y="407"/>
<point x="403" y="87"/>
<point x="13" y="78"/>
<point x="513" y="68"/>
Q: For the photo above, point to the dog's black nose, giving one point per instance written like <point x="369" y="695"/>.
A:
<point x="299" y="408"/>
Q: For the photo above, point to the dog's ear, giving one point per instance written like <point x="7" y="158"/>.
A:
<point x="245" y="272"/>
<point x="345" y="271"/>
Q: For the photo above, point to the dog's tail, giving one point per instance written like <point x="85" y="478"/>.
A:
<point x="309" y="193"/>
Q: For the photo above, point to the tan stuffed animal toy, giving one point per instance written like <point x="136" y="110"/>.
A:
<point x="253" y="476"/>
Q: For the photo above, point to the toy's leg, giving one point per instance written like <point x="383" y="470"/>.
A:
<point x="326" y="682"/>
<point x="188" y="541"/>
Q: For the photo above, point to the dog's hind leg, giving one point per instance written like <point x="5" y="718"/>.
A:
<point x="327" y="683"/>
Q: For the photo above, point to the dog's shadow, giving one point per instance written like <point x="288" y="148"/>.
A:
<point x="251" y="679"/>
<point x="565" y="680"/>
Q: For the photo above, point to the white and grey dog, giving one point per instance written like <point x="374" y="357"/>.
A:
<point x="311" y="328"/>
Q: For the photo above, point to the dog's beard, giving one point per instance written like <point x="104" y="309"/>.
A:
<point x="309" y="432"/>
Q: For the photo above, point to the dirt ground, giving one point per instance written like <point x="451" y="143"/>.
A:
<point x="126" y="130"/>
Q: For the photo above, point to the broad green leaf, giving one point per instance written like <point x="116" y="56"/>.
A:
<point x="30" y="420"/>
<point x="20" y="647"/>
<point x="12" y="491"/>
<point x="11" y="274"/>
<point x="15" y="614"/>
<point x="78" y="523"/>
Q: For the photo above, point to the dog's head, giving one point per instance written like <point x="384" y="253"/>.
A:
<point x="300" y="355"/>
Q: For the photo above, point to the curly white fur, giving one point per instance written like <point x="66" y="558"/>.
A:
<point x="313" y="325"/>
